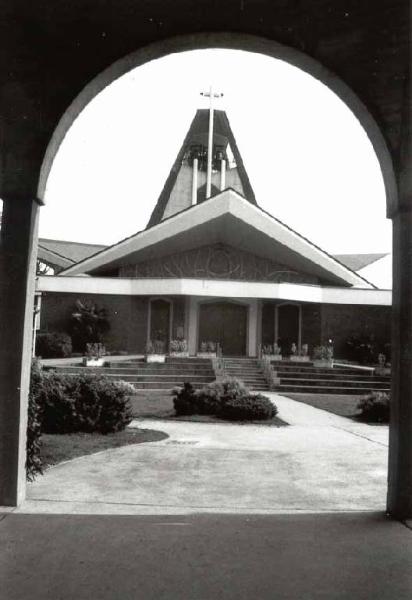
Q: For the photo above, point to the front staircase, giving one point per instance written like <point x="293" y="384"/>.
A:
<point x="305" y="378"/>
<point x="248" y="370"/>
<point x="159" y="377"/>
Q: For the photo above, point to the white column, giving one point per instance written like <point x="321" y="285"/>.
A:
<point x="210" y="150"/>
<point x="222" y="174"/>
<point x="253" y="328"/>
<point x="192" y="326"/>
<point x="194" y="181"/>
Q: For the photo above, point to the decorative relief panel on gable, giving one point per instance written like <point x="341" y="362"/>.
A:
<point x="216" y="262"/>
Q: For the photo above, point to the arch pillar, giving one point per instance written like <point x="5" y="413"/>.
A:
<point x="18" y="252"/>
<point x="400" y="432"/>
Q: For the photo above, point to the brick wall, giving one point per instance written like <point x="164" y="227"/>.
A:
<point x="341" y="321"/>
<point x="127" y="316"/>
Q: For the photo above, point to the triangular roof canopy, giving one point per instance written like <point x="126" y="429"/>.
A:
<point x="197" y="136"/>
<point x="228" y="218"/>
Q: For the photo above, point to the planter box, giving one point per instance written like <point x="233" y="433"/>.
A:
<point x="179" y="354"/>
<point x="155" y="358"/>
<point x="323" y="363"/>
<point x="382" y="371"/>
<point x="93" y="362"/>
<point x="206" y="354"/>
<point x="275" y="357"/>
<point x="299" y="358"/>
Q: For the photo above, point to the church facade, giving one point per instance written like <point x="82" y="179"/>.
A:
<point x="212" y="269"/>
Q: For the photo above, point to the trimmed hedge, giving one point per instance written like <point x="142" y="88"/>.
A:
<point x="53" y="345"/>
<point x="375" y="408"/>
<point x="33" y="445"/>
<point x="88" y="403"/>
<point x="227" y="399"/>
<point x="248" y="408"/>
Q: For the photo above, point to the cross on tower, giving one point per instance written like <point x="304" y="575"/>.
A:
<point x="211" y="95"/>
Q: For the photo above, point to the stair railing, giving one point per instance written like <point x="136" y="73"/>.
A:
<point x="269" y="373"/>
<point x="218" y="363"/>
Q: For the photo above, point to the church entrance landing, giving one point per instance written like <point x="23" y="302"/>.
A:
<point x="226" y="324"/>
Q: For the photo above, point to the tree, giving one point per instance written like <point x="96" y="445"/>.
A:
<point x="88" y="324"/>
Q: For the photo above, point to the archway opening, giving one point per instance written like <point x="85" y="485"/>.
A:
<point x="273" y="147"/>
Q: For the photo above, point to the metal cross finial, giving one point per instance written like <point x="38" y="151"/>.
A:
<point x="211" y="95"/>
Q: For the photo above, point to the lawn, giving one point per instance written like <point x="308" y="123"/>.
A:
<point x="342" y="405"/>
<point x="161" y="407"/>
<point x="57" y="448"/>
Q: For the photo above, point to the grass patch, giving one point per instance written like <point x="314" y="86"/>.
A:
<point x="339" y="404"/>
<point x="57" y="448"/>
<point x="161" y="407"/>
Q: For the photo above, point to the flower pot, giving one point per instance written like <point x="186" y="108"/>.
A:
<point x="155" y="358"/>
<point x="206" y="354"/>
<point x="295" y="358"/>
<point x="323" y="363"/>
<point x="179" y="354"/>
<point x="93" y="362"/>
<point x="273" y="357"/>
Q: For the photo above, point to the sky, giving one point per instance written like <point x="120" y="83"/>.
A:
<point x="309" y="160"/>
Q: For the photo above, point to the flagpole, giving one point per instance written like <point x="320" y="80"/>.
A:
<point x="211" y="95"/>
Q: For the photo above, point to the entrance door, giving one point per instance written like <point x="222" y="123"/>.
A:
<point x="288" y="321"/>
<point x="160" y="322"/>
<point x="226" y="324"/>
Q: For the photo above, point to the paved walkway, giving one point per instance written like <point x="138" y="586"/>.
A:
<point x="321" y="462"/>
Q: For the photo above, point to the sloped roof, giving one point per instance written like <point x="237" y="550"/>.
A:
<point x="199" y="127"/>
<point x="356" y="262"/>
<point x="64" y="253"/>
<point x="226" y="217"/>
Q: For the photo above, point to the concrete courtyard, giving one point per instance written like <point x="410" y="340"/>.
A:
<point x="320" y="462"/>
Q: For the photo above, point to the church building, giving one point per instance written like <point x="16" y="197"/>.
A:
<point x="212" y="267"/>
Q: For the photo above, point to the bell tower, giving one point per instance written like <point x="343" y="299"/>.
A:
<point x="208" y="163"/>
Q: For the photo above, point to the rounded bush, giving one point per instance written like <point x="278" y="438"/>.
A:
<point x="375" y="408"/>
<point x="248" y="408"/>
<point x="53" y="345"/>
<point x="184" y="400"/>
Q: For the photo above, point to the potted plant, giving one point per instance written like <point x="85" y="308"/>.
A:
<point x="178" y="348"/>
<point x="155" y="351"/>
<point x="323" y="356"/>
<point x="272" y="352"/>
<point x="94" y="355"/>
<point x="207" y="349"/>
<point x="301" y="355"/>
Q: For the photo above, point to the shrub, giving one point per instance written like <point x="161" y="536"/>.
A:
<point x="375" y="408"/>
<point x="248" y="408"/>
<point x="211" y="396"/>
<point x="228" y="399"/>
<point x="53" y="345"/>
<point x="33" y="446"/>
<point x="101" y="405"/>
<point x="185" y="400"/>
<point x="87" y="403"/>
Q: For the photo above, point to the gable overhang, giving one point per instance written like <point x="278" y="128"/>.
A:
<point x="230" y="219"/>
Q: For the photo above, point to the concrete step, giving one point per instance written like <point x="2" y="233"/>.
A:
<point x="330" y="376"/>
<point x="282" y="388"/>
<point x="334" y="383"/>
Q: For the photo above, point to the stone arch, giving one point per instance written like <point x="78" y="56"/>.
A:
<point x="232" y="41"/>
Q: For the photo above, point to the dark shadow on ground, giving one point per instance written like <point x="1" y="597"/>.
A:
<point x="200" y="557"/>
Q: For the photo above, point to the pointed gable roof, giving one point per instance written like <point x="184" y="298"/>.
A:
<point x="197" y="131"/>
<point x="230" y="218"/>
